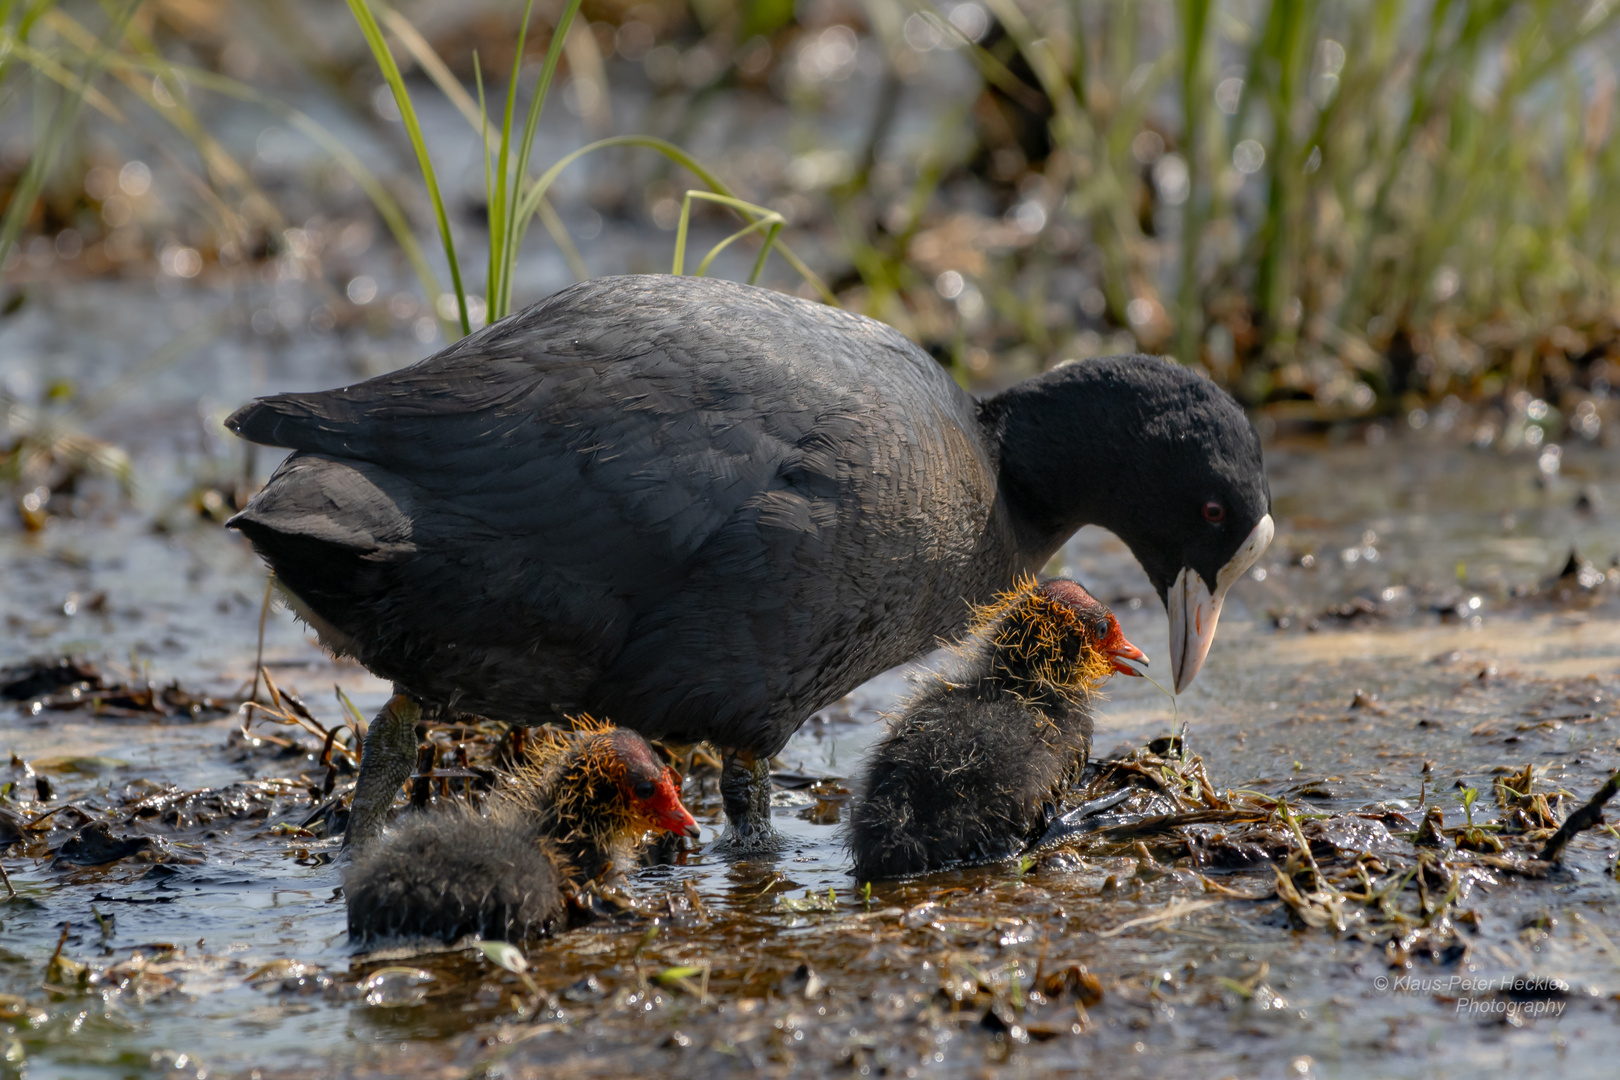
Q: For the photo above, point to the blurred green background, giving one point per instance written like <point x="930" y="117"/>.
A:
<point x="1366" y="211"/>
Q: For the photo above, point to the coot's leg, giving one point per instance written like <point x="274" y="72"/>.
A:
<point x="386" y="760"/>
<point x="745" y="792"/>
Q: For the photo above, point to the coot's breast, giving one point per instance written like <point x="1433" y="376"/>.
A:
<point x="699" y="508"/>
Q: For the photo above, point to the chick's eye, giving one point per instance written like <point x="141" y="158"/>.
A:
<point x="643" y="789"/>
<point x="1214" y="512"/>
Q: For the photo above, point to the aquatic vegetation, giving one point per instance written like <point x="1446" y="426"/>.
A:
<point x="511" y="206"/>
<point x="1246" y="185"/>
<point x="1219" y="904"/>
<point x="1354" y="203"/>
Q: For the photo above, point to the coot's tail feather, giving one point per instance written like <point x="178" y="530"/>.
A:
<point x="299" y="500"/>
<point x="457" y="394"/>
<point x="452" y="874"/>
<point x="277" y="421"/>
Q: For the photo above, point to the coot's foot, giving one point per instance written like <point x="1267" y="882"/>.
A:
<point x="1078" y="820"/>
<point x="386" y="761"/>
<point x="745" y="793"/>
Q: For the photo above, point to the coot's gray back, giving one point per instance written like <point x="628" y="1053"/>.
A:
<point x="686" y="504"/>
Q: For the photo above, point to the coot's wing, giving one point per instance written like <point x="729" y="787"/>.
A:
<point x="622" y="421"/>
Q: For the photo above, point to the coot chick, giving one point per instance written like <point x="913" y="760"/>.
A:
<point x="708" y="510"/>
<point x="973" y="769"/>
<point x="581" y="806"/>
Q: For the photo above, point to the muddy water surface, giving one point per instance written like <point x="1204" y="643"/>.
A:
<point x="1418" y="573"/>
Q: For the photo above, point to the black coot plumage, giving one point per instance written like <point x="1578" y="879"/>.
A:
<point x="708" y="510"/>
<point x="580" y="807"/>
<point x="974" y="766"/>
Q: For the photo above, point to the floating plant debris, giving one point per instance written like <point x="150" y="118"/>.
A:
<point x="69" y="683"/>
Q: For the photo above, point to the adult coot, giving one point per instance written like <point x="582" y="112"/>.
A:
<point x="582" y="805"/>
<point x="708" y="510"/>
<point x="974" y="766"/>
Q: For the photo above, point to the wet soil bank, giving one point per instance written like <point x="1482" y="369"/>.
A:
<point x="1413" y="638"/>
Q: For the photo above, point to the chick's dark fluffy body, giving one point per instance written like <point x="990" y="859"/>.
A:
<point x="453" y="873"/>
<point x="450" y="873"/>
<point x="975" y="765"/>
<point x="970" y="775"/>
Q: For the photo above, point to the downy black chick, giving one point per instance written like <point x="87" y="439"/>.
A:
<point x="974" y="767"/>
<point x="582" y="804"/>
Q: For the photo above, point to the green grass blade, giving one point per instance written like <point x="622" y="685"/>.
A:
<point x="764" y="252"/>
<point x="25" y="25"/>
<point x="387" y="208"/>
<point x="680" y="236"/>
<point x="402" y="97"/>
<point x="489" y="181"/>
<point x="1423" y="81"/>
<point x="54" y="71"/>
<point x="227" y="180"/>
<point x="531" y="123"/>
<point x="537" y="191"/>
<point x="507" y="240"/>
<point x="43" y="160"/>
<point x="1288" y="38"/>
<point x="757" y="226"/>
<point x="768" y="220"/>
<point x="500" y="229"/>
<point x="1105" y="195"/>
<point x="474" y="112"/>
<point x="1194" y="97"/>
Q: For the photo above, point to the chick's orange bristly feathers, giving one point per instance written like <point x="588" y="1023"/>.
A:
<point x="601" y="788"/>
<point x="1050" y="638"/>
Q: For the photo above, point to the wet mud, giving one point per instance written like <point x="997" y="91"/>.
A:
<point x="1331" y="870"/>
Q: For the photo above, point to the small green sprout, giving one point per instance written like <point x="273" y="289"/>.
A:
<point x="1468" y="795"/>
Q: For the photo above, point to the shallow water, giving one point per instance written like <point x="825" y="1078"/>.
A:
<point x="243" y="963"/>
<point x="229" y="958"/>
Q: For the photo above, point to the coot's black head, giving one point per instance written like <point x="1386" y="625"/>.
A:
<point x="1158" y="455"/>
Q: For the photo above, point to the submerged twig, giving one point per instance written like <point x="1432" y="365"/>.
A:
<point x="1583" y="818"/>
<point x="5" y="879"/>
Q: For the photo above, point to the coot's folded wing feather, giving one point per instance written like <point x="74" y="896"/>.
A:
<point x="647" y="431"/>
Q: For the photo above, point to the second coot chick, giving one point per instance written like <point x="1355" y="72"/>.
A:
<point x="582" y="804"/>
<point x="973" y="769"/>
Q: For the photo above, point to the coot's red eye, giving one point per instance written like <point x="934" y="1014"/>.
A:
<point x="1214" y="512"/>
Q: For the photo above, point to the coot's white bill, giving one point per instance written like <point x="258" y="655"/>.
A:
<point x="1194" y="610"/>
